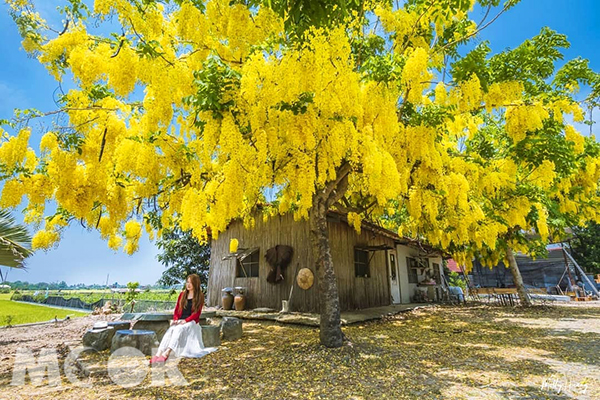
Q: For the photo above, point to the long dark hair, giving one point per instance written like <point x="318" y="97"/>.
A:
<point x="198" y="299"/>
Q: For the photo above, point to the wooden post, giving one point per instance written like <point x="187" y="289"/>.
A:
<point x="292" y="288"/>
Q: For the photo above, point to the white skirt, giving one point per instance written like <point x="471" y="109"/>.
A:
<point x="185" y="341"/>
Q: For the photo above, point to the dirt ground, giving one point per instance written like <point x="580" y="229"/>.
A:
<point x="472" y="352"/>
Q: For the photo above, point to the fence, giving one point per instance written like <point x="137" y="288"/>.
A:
<point x="139" y="305"/>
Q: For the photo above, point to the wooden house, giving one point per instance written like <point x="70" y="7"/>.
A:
<point x="374" y="268"/>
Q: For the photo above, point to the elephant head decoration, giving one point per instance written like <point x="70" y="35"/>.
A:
<point x="278" y="257"/>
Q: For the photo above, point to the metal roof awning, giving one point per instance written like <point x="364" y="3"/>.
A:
<point x="241" y="254"/>
<point x="375" y="248"/>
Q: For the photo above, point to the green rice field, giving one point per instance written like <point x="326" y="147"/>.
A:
<point x="91" y="296"/>
<point x="13" y="313"/>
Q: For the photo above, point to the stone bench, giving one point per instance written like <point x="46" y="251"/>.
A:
<point x="142" y="340"/>
<point x="231" y="328"/>
<point x="100" y="336"/>
<point x="211" y="335"/>
<point x="159" y="322"/>
<point x="120" y="325"/>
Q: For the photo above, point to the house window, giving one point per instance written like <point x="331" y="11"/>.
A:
<point x="248" y="267"/>
<point x="412" y="265"/>
<point x="361" y="263"/>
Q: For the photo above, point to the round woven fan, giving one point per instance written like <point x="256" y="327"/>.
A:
<point x="305" y="278"/>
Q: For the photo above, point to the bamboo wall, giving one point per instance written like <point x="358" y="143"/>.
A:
<point x="354" y="292"/>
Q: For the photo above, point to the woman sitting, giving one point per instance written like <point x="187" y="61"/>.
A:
<point x="184" y="336"/>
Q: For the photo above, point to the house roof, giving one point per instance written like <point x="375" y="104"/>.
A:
<point x="338" y="216"/>
<point x="426" y="249"/>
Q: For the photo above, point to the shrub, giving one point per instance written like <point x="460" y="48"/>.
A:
<point x="8" y="319"/>
<point x="454" y="279"/>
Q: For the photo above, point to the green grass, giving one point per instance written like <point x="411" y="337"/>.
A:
<point x="20" y="313"/>
<point x="5" y="296"/>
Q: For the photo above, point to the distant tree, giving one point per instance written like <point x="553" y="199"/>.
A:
<point x="586" y="247"/>
<point x="182" y="255"/>
<point x="131" y="293"/>
<point x="19" y="285"/>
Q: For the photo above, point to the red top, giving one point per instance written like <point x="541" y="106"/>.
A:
<point x="178" y="311"/>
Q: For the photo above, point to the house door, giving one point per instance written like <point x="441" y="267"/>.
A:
<point x="394" y="279"/>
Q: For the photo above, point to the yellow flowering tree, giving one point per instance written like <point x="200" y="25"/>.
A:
<point x="527" y="170"/>
<point x="192" y="110"/>
<point x="553" y="168"/>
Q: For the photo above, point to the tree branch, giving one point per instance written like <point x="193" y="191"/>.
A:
<point x="506" y="7"/>
<point x="146" y="43"/>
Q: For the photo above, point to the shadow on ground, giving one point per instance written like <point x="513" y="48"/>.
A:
<point x="445" y="352"/>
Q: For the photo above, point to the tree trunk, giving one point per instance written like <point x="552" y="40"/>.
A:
<point x="329" y="301"/>
<point x="517" y="278"/>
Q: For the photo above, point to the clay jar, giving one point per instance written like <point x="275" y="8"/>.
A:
<point x="240" y="299"/>
<point x="227" y="299"/>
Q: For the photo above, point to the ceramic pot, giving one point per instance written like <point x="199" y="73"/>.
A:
<point x="227" y="299"/>
<point x="240" y="299"/>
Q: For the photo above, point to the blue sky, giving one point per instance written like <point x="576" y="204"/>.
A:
<point x="83" y="257"/>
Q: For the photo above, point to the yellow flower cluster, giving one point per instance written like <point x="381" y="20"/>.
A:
<point x="355" y="220"/>
<point x="573" y="136"/>
<point x="14" y="150"/>
<point x="12" y="193"/>
<point x="416" y="76"/>
<point x="561" y="106"/>
<point x="542" y="221"/>
<point x="441" y="94"/>
<point x="133" y="232"/>
<point x="401" y="22"/>
<point x="517" y="210"/>
<point x="502" y="94"/>
<point x="467" y="96"/>
<point x="115" y="242"/>
<point x="543" y="175"/>
<point x="524" y="118"/>
<point x="44" y="239"/>
<point x="501" y="176"/>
